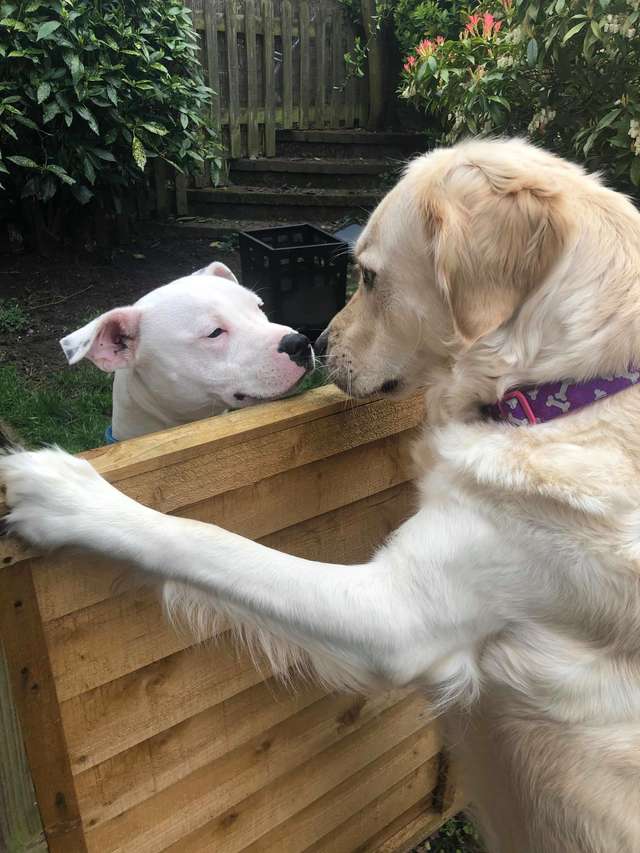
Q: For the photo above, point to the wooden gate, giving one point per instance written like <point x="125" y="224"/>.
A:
<point x="277" y="64"/>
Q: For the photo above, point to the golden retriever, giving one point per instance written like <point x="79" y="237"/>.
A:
<point x="512" y="597"/>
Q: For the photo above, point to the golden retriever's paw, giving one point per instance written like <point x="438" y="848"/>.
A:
<point x="50" y="496"/>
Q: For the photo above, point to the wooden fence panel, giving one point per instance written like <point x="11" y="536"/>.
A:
<point x="294" y="74"/>
<point x="141" y="742"/>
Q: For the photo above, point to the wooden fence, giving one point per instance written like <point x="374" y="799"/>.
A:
<point x="277" y="64"/>
<point x="139" y="742"/>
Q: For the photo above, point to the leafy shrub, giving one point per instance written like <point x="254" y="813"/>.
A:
<point x="411" y="20"/>
<point x="414" y="20"/>
<point x="92" y="89"/>
<point x="566" y="73"/>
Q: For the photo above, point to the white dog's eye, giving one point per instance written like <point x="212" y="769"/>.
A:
<point x="216" y="333"/>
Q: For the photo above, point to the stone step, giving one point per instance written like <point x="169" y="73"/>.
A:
<point x="348" y="143"/>
<point x="268" y="204"/>
<point x="340" y="173"/>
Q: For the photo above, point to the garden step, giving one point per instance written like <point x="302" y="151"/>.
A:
<point x="340" y="173"/>
<point x="265" y="203"/>
<point x="349" y="143"/>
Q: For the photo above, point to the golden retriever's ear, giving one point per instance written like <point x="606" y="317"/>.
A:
<point x="495" y="238"/>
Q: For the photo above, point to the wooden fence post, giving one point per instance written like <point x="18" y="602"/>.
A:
<point x="231" y="21"/>
<point x="287" y="64"/>
<point x="269" y="82"/>
<point x="253" y="137"/>
<point x="376" y="65"/>
<point x="211" y="35"/>
<point x="305" y="63"/>
<point x="321" y="64"/>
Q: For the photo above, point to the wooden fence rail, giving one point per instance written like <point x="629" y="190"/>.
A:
<point x="139" y="742"/>
<point x="277" y="64"/>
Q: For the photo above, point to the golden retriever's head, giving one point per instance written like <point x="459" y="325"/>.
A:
<point x="449" y="256"/>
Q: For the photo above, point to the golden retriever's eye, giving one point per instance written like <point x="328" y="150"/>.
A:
<point x="368" y="277"/>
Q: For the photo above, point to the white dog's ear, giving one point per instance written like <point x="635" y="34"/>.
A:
<point x="496" y="235"/>
<point x="219" y="270"/>
<point x="109" y="341"/>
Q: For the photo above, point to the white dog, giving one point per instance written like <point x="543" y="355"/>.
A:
<point x="189" y="350"/>
<point x="513" y="596"/>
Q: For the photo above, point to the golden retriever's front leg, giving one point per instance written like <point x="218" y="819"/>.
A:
<point x="408" y="616"/>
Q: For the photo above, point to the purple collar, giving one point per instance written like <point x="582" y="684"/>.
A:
<point x="536" y="404"/>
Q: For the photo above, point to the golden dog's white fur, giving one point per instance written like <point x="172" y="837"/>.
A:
<point x="513" y="595"/>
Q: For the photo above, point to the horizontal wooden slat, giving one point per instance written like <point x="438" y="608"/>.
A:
<point x="123" y="713"/>
<point x="121" y="782"/>
<point x="217" y="787"/>
<point x="331" y="810"/>
<point x="178" y="467"/>
<point x="410" y="797"/>
<point x="70" y="582"/>
<point x="408" y="830"/>
<point x="350" y="534"/>
<point x="249" y="820"/>
<point x="226" y="467"/>
<point x="153" y="451"/>
<point x="119" y="635"/>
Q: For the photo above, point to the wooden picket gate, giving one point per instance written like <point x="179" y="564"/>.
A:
<point x="277" y="64"/>
<point x="140" y="742"/>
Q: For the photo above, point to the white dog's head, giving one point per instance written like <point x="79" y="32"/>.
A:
<point x="202" y="340"/>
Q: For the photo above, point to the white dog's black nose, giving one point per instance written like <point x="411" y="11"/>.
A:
<point x="298" y="348"/>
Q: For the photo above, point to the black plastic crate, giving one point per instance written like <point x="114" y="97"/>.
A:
<point x="299" y="271"/>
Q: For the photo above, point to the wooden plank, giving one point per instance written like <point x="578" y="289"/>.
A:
<point x="20" y="823"/>
<point x="211" y="38"/>
<point x="363" y="100"/>
<point x="118" y="715"/>
<point x="407" y="831"/>
<point x="34" y="693"/>
<point x="182" y="203"/>
<point x="110" y="639"/>
<point x="351" y="93"/>
<point x="154" y="451"/>
<point x="269" y="82"/>
<point x="71" y="582"/>
<point x="322" y="68"/>
<point x="253" y="131"/>
<point x="250" y="819"/>
<point x="211" y="473"/>
<point x="338" y="71"/>
<point x="199" y="24"/>
<point x="409" y="798"/>
<point x="351" y="534"/>
<point x="305" y="64"/>
<point x="128" y="778"/>
<point x="160" y="177"/>
<point x="376" y="64"/>
<point x="128" y="632"/>
<point x="217" y="787"/>
<point x="231" y="12"/>
<point x="336" y="806"/>
<point x="287" y="65"/>
<point x="359" y="421"/>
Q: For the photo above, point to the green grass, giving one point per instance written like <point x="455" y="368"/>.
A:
<point x="72" y="408"/>
<point x="13" y="317"/>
